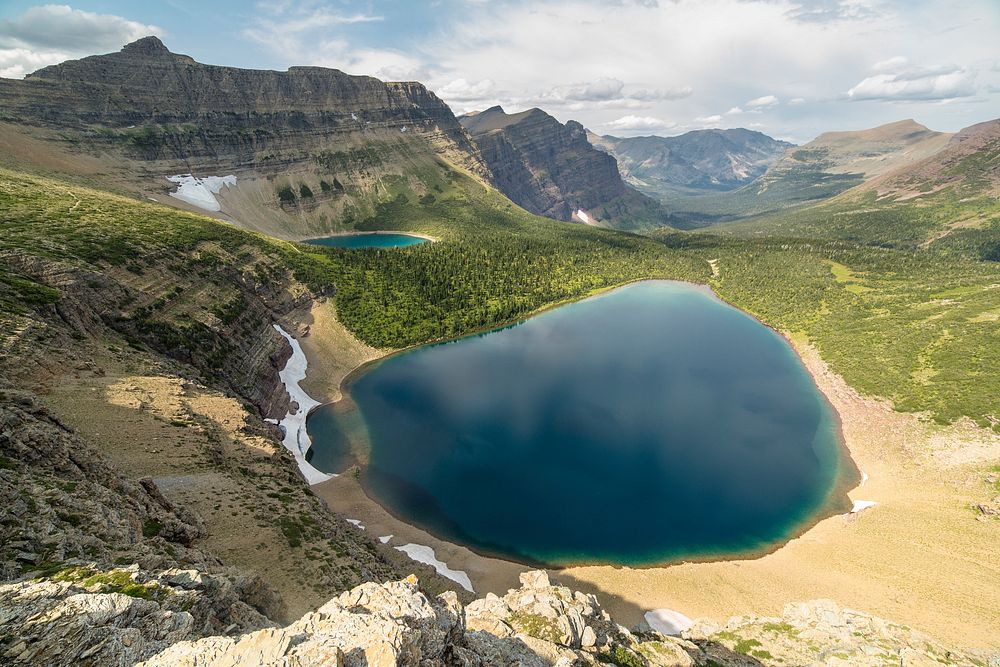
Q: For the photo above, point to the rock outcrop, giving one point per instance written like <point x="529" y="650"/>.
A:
<point x="550" y="168"/>
<point x="540" y="624"/>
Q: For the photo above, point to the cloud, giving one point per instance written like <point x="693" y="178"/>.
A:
<point x="602" y="89"/>
<point x="678" y="93"/>
<point x="734" y="111"/>
<point x="796" y="101"/>
<point x="890" y="64"/>
<point x="945" y="82"/>
<point x="639" y="124"/>
<point x="709" y="120"/>
<point x="460" y="90"/>
<point x="762" y="102"/>
<point x="826" y="11"/>
<point x="311" y="34"/>
<point x="49" y="34"/>
<point x="62" y="28"/>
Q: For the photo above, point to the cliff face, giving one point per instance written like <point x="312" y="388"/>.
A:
<point x="551" y="169"/>
<point x="147" y="113"/>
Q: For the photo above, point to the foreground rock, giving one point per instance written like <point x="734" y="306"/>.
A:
<point x="540" y="624"/>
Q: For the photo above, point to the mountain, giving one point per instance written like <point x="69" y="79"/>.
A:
<point x="698" y="160"/>
<point x="948" y="201"/>
<point x="550" y="168"/>
<point x="969" y="164"/>
<point x="313" y="150"/>
<point x="823" y="168"/>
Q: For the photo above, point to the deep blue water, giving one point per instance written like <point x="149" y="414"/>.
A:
<point x="368" y="241"/>
<point x="648" y="424"/>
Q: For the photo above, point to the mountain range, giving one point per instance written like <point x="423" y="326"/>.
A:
<point x="701" y="160"/>
<point x="551" y="169"/>
<point x="156" y="310"/>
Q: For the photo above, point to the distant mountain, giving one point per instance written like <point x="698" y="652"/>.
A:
<point x="314" y="150"/>
<point x="969" y="164"/>
<point x="551" y="169"/>
<point x="823" y="168"/>
<point x="700" y="160"/>
<point x="948" y="201"/>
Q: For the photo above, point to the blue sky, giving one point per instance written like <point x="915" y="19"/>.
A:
<point x="790" y="68"/>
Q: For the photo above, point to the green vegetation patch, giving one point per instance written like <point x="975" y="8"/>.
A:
<point x="535" y="625"/>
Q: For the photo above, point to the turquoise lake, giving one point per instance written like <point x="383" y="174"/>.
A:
<point x="649" y="424"/>
<point x="368" y="241"/>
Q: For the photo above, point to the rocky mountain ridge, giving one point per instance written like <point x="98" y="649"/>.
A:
<point x="710" y="160"/>
<point x="550" y="168"/>
<point x="313" y="149"/>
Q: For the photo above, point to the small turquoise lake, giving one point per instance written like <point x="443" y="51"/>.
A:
<point x="650" y="424"/>
<point x="368" y="241"/>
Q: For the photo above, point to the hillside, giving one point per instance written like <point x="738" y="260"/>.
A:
<point x="713" y="160"/>
<point x="969" y="165"/>
<point x="313" y="150"/>
<point x="823" y="168"/>
<point x="947" y="202"/>
<point x="551" y="169"/>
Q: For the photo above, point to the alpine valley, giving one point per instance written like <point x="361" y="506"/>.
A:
<point x="829" y="312"/>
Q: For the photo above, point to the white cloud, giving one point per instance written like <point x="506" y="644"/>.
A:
<point x="639" y="123"/>
<point x="678" y="93"/>
<point x="763" y="102"/>
<point x="736" y="50"/>
<point x="49" y="34"/>
<point x="890" y="64"/>
<point x="460" y="90"/>
<point x="936" y="83"/>
<point x="305" y="34"/>
<point x="734" y="111"/>
<point x="606" y="88"/>
<point x="709" y="120"/>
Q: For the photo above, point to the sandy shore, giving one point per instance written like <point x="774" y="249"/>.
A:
<point x="919" y="556"/>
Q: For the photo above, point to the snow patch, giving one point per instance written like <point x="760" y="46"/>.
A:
<point x="584" y="218"/>
<point x="667" y="621"/>
<point x="862" y="505"/>
<point x="864" y="478"/>
<point x="356" y="522"/>
<point x="296" y="438"/>
<point x="385" y="539"/>
<point x="200" y="191"/>
<point x="425" y="555"/>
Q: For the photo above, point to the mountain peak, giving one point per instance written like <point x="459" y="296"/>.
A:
<point x="147" y="46"/>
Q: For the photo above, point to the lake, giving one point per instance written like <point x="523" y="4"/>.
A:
<point x="368" y="240"/>
<point x="649" y="424"/>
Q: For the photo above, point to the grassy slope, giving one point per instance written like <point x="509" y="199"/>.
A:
<point x="914" y="326"/>
<point x="917" y="327"/>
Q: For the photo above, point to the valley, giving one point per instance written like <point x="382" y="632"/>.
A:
<point x="140" y="358"/>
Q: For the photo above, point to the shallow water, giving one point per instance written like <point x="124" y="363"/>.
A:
<point x="368" y="241"/>
<point x="649" y="424"/>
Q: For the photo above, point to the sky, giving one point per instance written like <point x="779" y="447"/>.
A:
<point x="789" y="68"/>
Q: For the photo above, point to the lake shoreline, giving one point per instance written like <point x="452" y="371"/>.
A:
<point x="835" y="503"/>
<point x="832" y="557"/>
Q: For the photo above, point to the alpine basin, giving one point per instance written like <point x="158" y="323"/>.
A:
<point x="649" y="424"/>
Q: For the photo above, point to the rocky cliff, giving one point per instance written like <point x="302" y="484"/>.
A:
<point x="710" y="160"/>
<point x="313" y="149"/>
<point x="397" y="624"/>
<point x="551" y="169"/>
